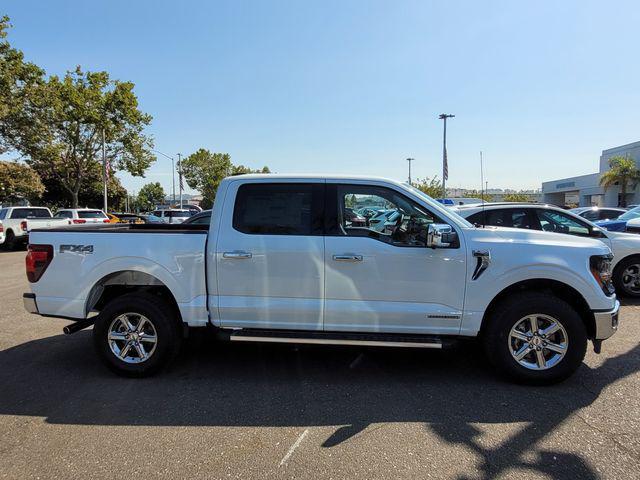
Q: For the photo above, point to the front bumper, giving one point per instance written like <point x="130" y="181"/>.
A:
<point x="606" y="322"/>
<point x="29" y="301"/>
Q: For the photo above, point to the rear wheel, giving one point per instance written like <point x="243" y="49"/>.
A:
<point x="136" y="335"/>
<point x="10" y="240"/>
<point x="535" y="338"/>
<point x="626" y="277"/>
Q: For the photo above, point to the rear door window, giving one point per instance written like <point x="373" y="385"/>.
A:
<point x="30" y="213"/>
<point x="278" y="209"/>
<point x="3" y="213"/>
<point x="64" y="214"/>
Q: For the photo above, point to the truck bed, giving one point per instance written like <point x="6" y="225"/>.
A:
<point x="131" y="228"/>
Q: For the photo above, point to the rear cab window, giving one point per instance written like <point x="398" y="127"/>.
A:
<point x="30" y="213"/>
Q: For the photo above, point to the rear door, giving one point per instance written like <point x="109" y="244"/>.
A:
<point x="270" y="256"/>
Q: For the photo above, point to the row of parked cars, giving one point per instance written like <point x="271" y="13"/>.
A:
<point x="16" y="222"/>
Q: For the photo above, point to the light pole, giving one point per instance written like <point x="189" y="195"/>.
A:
<point x="410" y="160"/>
<point x="180" y="177"/>
<point x="105" y="175"/>
<point x="445" y="166"/>
<point x="173" y="174"/>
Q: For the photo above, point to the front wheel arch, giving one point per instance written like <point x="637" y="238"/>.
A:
<point x="544" y="285"/>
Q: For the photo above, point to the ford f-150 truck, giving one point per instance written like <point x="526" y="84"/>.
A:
<point x="281" y="262"/>
<point x="18" y="222"/>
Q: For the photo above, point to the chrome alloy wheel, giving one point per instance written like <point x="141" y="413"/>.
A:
<point x="132" y="338"/>
<point x="538" y="342"/>
<point x="631" y="278"/>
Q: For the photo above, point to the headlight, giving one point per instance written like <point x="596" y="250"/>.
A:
<point x="600" y="266"/>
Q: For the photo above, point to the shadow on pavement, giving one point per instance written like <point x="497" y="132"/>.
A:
<point x="61" y="379"/>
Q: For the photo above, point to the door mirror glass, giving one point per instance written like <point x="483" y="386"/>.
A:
<point x="441" y="235"/>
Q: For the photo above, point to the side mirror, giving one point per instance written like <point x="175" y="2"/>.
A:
<point x="441" y="235"/>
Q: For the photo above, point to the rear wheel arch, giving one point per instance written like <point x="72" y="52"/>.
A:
<point x="552" y="287"/>
<point x="123" y="282"/>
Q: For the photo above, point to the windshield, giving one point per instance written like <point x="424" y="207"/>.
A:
<point x="449" y="211"/>
<point x="631" y="214"/>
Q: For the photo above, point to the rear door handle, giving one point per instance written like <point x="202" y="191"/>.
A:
<point x="347" y="258"/>
<point x="237" y="255"/>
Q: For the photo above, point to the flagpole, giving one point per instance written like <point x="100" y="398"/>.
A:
<point x="104" y="174"/>
<point x="445" y="166"/>
<point x="180" y="177"/>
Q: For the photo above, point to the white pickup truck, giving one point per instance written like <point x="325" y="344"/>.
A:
<point x="280" y="262"/>
<point x="17" y="222"/>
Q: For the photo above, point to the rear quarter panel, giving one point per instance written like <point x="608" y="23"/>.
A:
<point x="177" y="259"/>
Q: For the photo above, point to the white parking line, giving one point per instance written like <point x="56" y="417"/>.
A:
<point x="294" y="446"/>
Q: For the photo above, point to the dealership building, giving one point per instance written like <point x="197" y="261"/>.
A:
<point x="585" y="190"/>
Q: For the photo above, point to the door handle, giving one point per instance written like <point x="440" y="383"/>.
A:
<point x="237" y="255"/>
<point x="347" y="258"/>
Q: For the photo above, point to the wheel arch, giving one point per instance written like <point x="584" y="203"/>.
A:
<point x="116" y="284"/>
<point x="554" y="287"/>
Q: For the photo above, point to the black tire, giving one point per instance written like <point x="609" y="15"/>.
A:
<point x="618" y="277"/>
<point x="10" y="240"/>
<point x="509" y="312"/>
<point x="159" y="313"/>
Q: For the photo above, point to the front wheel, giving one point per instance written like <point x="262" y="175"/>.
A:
<point x="626" y="277"/>
<point x="535" y="338"/>
<point x="136" y="335"/>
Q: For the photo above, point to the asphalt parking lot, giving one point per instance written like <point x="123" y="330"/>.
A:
<point x="252" y="411"/>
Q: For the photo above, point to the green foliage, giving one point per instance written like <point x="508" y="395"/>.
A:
<point x="430" y="186"/>
<point x="623" y="172"/>
<point x="90" y="195"/>
<point x="515" y="197"/>
<point x="150" y="195"/>
<point x="204" y="170"/>
<point x="19" y="181"/>
<point x="57" y="123"/>
<point x="20" y="92"/>
<point x="479" y="194"/>
<point x="351" y="201"/>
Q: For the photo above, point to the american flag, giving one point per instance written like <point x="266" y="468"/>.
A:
<point x="445" y="166"/>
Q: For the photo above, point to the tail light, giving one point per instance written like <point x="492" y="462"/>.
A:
<point x="106" y="220"/>
<point x="38" y="259"/>
<point x="1" y="228"/>
<point x="23" y="225"/>
<point x="79" y="220"/>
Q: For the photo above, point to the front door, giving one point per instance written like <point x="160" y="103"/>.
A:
<point x="270" y="257"/>
<point x="382" y="278"/>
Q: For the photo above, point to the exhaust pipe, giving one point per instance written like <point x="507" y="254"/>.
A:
<point x="79" y="325"/>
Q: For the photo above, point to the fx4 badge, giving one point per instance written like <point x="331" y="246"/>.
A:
<point x="81" y="249"/>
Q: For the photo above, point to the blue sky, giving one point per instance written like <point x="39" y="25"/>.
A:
<point x="356" y="86"/>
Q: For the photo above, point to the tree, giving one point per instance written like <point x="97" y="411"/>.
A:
<point x="90" y="195"/>
<point x="58" y="123"/>
<point x="19" y="181"/>
<point x="516" y="197"/>
<point x="150" y="195"/>
<point x="204" y="170"/>
<point x="430" y="186"/>
<point x="622" y="172"/>
<point x="20" y="89"/>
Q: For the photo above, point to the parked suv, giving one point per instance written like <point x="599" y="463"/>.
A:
<point x="83" y="216"/>
<point x="625" y="246"/>
<point x="173" y="215"/>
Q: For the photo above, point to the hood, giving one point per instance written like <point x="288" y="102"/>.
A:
<point x="539" y="238"/>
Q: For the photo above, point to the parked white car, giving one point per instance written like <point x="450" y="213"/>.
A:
<point x="83" y="216"/>
<point x="174" y="215"/>
<point x="280" y="262"/>
<point x="625" y="246"/>
<point x="18" y="221"/>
